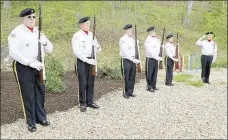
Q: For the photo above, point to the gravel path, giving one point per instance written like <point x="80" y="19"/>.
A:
<point x="175" y="112"/>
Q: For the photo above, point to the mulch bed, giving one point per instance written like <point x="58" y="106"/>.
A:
<point x="11" y="109"/>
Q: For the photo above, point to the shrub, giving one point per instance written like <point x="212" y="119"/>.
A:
<point x="110" y="73"/>
<point x="54" y="75"/>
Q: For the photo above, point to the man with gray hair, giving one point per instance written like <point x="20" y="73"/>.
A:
<point x="23" y="48"/>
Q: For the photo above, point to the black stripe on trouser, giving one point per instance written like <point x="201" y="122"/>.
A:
<point x="146" y="70"/>
<point x="206" y="66"/>
<point x="129" y="71"/>
<point x="33" y="94"/>
<point x="121" y="66"/>
<point x="86" y="82"/>
<point x="169" y="70"/>
<point x="152" y="73"/>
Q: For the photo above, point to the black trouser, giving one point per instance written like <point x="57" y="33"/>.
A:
<point x="31" y="91"/>
<point x="128" y="69"/>
<point x="86" y="82"/>
<point x="169" y="70"/>
<point x="151" y="72"/>
<point x="206" y="61"/>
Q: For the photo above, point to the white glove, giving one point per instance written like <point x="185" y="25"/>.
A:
<point x="43" y="40"/>
<point x="137" y="41"/>
<point x="95" y="44"/>
<point x="159" y="58"/>
<point x="91" y="61"/>
<point x="136" y="61"/>
<point x="204" y="36"/>
<point x="163" y="46"/>
<point x="36" y="65"/>
<point x="174" y="59"/>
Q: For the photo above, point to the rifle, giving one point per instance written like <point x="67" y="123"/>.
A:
<point x="94" y="69"/>
<point x="177" y="66"/>
<point x="137" y="55"/>
<point x="161" y="49"/>
<point x="41" y="72"/>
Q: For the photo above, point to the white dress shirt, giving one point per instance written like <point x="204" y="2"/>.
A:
<point x="23" y="44"/>
<point x="207" y="47"/>
<point x="127" y="47"/>
<point x="170" y="50"/>
<point x="82" y="45"/>
<point x="152" y="47"/>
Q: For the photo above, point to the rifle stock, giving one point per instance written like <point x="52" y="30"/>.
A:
<point x="137" y="54"/>
<point x="41" y="74"/>
<point x="94" y="69"/>
<point x="161" y="49"/>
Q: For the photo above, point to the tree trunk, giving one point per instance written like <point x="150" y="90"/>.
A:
<point x="189" y="10"/>
<point x="7" y="4"/>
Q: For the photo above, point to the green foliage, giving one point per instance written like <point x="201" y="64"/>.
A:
<point x="54" y="75"/>
<point x="182" y="77"/>
<point x="60" y="20"/>
<point x="110" y="73"/>
<point x="189" y="79"/>
<point x="196" y="83"/>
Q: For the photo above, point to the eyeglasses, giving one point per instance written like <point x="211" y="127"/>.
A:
<point x="31" y="17"/>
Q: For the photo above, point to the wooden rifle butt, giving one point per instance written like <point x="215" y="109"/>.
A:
<point x="139" y="68"/>
<point x="94" y="70"/>
<point x="41" y="77"/>
<point x="160" y="65"/>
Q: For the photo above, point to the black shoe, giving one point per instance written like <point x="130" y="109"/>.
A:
<point x="168" y="84"/>
<point x="32" y="127"/>
<point x="93" y="105"/>
<point x="82" y="108"/>
<point x="126" y="96"/>
<point x="44" y="123"/>
<point x="150" y="90"/>
<point x="132" y="95"/>
<point x="171" y="84"/>
<point x="208" y="82"/>
<point x="155" y="88"/>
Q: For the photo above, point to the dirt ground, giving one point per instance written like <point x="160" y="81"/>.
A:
<point x="11" y="108"/>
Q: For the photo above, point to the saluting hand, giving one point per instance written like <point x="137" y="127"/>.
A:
<point x="204" y="36"/>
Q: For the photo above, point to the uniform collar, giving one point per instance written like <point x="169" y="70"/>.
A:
<point x="128" y="36"/>
<point x="83" y="32"/>
<point x="154" y="37"/>
<point x="28" y="30"/>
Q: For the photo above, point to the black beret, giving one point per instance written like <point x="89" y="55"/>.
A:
<point x="169" y="36"/>
<point x="127" y="26"/>
<point x="26" y="11"/>
<point x="84" y="19"/>
<point x="209" y="33"/>
<point x="150" y="29"/>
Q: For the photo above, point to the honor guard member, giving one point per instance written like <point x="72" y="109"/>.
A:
<point x="152" y="49"/>
<point x="82" y="43"/>
<point x="209" y="55"/>
<point x="23" y="48"/>
<point x="128" y="61"/>
<point x="170" y="51"/>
